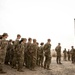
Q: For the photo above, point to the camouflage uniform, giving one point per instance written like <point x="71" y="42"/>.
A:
<point x="58" y="51"/>
<point x="15" y="49"/>
<point x="47" y="49"/>
<point x="8" y="53"/>
<point x="25" y="50"/>
<point x="68" y="53"/>
<point x="73" y="55"/>
<point x="65" y="54"/>
<point x="37" y="56"/>
<point x="20" y="56"/>
<point x="33" y="55"/>
<point x="28" y="56"/>
<point x="3" y="45"/>
<point x="40" y="56"/>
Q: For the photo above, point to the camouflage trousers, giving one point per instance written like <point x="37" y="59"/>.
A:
<point x="33" y="62"/>
<point x="20" y="60"/>
<point x="58" y="59"/>
<point x="47" y="61"/>
<point x="27" y="60"/>
<point x="2" y="60"/>
<point x="64" y="57"/>
<point x="40" y="60"/>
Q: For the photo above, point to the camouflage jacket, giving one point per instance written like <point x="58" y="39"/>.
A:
<point x="58" y="50"/>
<point x="47" y="49"/>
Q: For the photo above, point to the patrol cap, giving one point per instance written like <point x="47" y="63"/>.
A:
<point x="5" y="34"/>
<point x="34" y="40"/>
<point x="29" y="39"/>
<point x="49" y="40"/>
<point x="18" y="35"/>
<point x="23" y="39"/>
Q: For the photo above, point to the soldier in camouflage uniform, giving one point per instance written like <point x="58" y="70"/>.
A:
<point x="47" y="50"/>
<point x="28" y="54"/>
<point x="41" y="54"/>
<point x="58" y="51"/>
<point x="73" y="54"/>
<point x="20" y="54"/>
<point x="15" y="49"/>
<point x="68" y="53"/>
<point x="25" y="50"/>
<point x="3" y="47"/>
<point x="37" y="54"/>
<point x="33" y="53"/>
<point x="65" y="54"/>
<point x="8" y="53"/>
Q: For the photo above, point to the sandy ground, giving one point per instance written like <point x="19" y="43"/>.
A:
<point x="67" y="68"/>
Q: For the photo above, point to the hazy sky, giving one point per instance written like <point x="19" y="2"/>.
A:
<point x="40" y="19"/>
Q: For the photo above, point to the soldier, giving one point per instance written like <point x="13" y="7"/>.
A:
<point x="25" y="50"/>
<point x="33" y="52"/>
<point x="15" y="49"/>
<point x="8" y="54"/>
<point x="73" y="54"/>
<point x="65" y="54"/>
<point x="58" y="51"/>
<point x="47" y="49"/>
<point x="37" y="54"/>
<point x="28" y="54"/>
<point x="20" y="54"/>
<point x="3" y="47"/>
<point x="41" y="54"/>
<point x="68" y="53"/>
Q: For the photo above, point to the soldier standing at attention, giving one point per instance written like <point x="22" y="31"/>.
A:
<point x="41" y="54"/>
<point x="58" y="51"/>
<point x="73" y="54"/>
<point x="15" y="49"/>
<point x="25" y="46"/>
<point x="3" y="47"/>
<point x="65" y="54"/>
<point x="33" y="54"/>
<point x="68" y="53"/>
<point x="20" y="54"/>
<point x="47" y="49"/>
<point x="28" y="54"/>
<point x="37" y="62"/>
<point x="8" y="52"/>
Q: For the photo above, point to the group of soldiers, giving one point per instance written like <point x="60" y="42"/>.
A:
<point x="27" y="53"/>
<point x="70" y="54"/>
<point x="21" y="53"/>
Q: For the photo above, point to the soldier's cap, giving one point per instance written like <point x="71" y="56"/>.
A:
<point x="18" y="35"/>
<point x="49" y="39"/>
<point x="5" y="34"/>
<point x="41" y="43"/>
<point x="29" y="39"/>
<point x="34" y="40"/>
<point x="23" y="39"/>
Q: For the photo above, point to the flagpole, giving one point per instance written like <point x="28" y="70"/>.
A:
<point x="74" y="32"/>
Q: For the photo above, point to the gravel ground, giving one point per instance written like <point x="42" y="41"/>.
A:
<point x="67" y="68"/>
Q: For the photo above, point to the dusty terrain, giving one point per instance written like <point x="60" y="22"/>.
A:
<point x="67" y="68"/>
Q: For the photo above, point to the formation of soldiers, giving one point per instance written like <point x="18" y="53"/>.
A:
<point x="21" y="53"/>
<point x="70" y="54"/>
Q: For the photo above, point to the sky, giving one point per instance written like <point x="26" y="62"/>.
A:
<point x="40" y="19"/>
